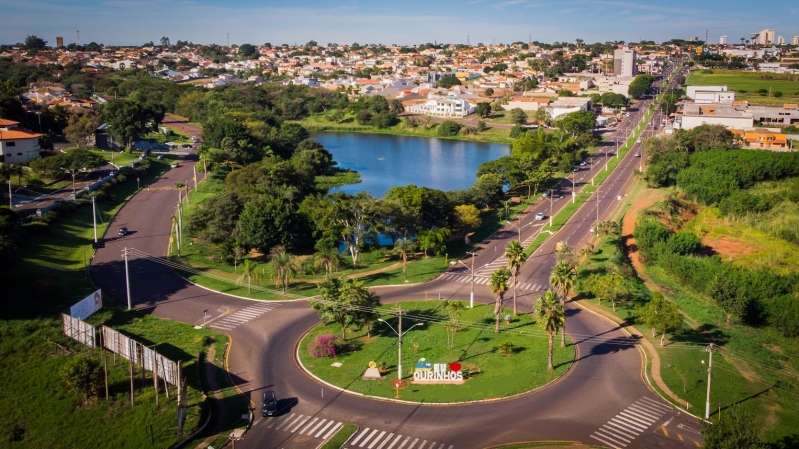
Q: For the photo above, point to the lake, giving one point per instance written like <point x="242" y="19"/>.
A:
<point x="385" y="161"/>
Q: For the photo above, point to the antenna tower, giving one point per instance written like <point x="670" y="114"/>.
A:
<point x="706" y="31"/>
<point x="467" y="41"/>
<point x="78" y="32"/>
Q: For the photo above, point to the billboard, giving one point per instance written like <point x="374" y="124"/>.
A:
<point x="78" y="330"/>
<point x="87" y="306"/>
<point x="167" y="369"/>
<point x="120" y="344"/>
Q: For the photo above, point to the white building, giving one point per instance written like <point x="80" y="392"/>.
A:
<point x="795" y="40"/>
<point x="624" y="62"/>
<point x="765" y="37"/>
<point x="723" y="40"/>
<point x="567" y="105"/>
<point x="731" y="116"/>
<point x="780" y="40"/>
<point x="442" y="106"/>
<point x="710" y="94"/>
<point x="17" y="145"/>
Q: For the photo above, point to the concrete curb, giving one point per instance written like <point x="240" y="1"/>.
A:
<point x="425" y="404"/>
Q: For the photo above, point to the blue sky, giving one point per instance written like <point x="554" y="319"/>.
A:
<point x="133" y="22"/>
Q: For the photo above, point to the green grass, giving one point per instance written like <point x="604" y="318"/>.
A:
<point x="341" y="437"/>
<point x="318" y="123"/>
<point x="339" y="178"/>
<point x="751" y="82"/>
<point x="475" y="347"/>
<point x="40" y="412"/>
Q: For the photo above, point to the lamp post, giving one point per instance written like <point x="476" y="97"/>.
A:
<point x="39" y="115"/>
<point x="400" y="334"/>
<point x="551" y="192"/>
<point x="574" y="175"/>
<point x="471" y="270"/>
<point x="518" y="228"/>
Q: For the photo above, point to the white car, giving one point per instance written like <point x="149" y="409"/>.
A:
<point x="539" y="216"/>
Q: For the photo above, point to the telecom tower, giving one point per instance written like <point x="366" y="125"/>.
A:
<point x="78" y="32"/>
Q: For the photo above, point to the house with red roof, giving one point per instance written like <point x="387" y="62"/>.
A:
<point x="17" y="145"/>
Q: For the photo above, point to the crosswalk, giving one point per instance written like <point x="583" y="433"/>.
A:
<point x="380" y="439"/>
<point x="481" y="280"/>
<point x="627" y="425"/>
<point x="487" y="269"/>
<point x="242" y="316"/>
<point x="367" y="438"/>
<point x="298" y="424"/>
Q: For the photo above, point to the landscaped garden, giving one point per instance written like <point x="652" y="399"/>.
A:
<point x="493" y="365"/>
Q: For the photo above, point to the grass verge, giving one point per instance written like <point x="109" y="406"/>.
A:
<point x="490" y="373"/>
<point x="341" y="437"/>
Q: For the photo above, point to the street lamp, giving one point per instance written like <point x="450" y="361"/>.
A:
<point x="574" y="175"/>
<point x="471" y="294"/>
<point x="551" y="192"/>
<point x="518" y="228"/>
<point x="400" y="334"/>
<point x="39" y="115"/>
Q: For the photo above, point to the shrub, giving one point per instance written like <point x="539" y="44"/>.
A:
<point x="481" y="126"/>
<point x="448" y="128"/>
<point x="506" y="348"/>
<point x="324" y="346"/>
<point x="83" y="374"/>
<point x="783" y="314"/>
<point x="683" y="243"/>
<point x="777" y="94"/>
<point x="516" y="132"/>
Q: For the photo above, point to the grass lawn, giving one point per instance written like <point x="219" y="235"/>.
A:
<point x="339" y="178"/>
<point x="341" y="437"/>
<point x="40" y="412"/>
<point x="318" y="123"/>
<point x="475" y="347"/>
<point x="751" y="82"/>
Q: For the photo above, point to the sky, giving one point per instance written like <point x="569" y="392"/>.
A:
<point x="402" y="22"/>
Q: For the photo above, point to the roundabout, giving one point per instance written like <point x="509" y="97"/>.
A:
<point x="445" y="359"/>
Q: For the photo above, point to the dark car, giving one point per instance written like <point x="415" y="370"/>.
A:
<point x="269" y="404"/>
<point x="123" y="231"/>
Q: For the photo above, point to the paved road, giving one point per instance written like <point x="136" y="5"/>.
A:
<point x="604" y="399"/>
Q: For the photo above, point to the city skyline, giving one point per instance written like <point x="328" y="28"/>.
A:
<point x="135" y="22"/>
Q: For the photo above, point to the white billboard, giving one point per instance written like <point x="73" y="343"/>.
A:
<point x="78" y="330"/>
<point x="87" y="306"/>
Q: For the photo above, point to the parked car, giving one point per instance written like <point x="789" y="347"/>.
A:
<point x="194" y="139"/>
<point x="539" y="216"/>
<point x="269" y="404"/>
<point x="575" y="168"/>
<point x="545" y="194"/>
<point x="175" y="165"/>
<point x="123" y="230"/>
<point x="583" y="163"/>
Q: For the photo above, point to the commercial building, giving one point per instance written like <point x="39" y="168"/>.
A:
<point x="17" y="145"/>
<point x="731" y="116"/>
<point x="795" y="40"/>
<point x="723" y="40"/>
<point x="567" y="105"/>
<point x="710" y="94"/>
<point x="765" y="37"/>
<point x="59" y="42"/>
<point x="624" y="62"/>
<point x="788" y="114"/>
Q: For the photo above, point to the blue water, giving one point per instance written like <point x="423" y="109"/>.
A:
<point x="385" y="161"/>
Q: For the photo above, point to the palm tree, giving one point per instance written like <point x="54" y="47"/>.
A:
<point x="404" y="247"/>
<point x="516" y="257"/>
<point x="250" y="272"/>
<point x="283" y="267"/>
<point x="498" y="284"/>
<point x="586" y="251"/>
<point x="550" y="316"/>
<point x="562" y="280"/>
<point x="453" y="309"/>
<point x="327" y="256"/>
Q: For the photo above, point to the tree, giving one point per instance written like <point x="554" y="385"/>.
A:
<point x="726" y="292"/>
<point x="518" y="116"/>
<point x="404" y="247"/>
<point x="34" y="43"/>
<point x="448" y="81"/>
<point x="164" y="41"/>
<point x="640" y="85"/>
<point x="434" y="240"/>
<point x="352" y="217"/>
<point x="610" y="287"/>
<point x="550" y="316"/>
<point x="489" y="92"/>
<point x="448" y="128"/>
<point x="397" y="107"/>
<point x="283" y="267"/>
<point x="265" y="222"/>
<point x="660" y="315"/>
<point x="83" y="374"/>
<point x="327" y="255"/>
<point x="129" y="119"/>
<point x="80" y="128"/>
<point x="514" y="252"/>
<point x="498" y="284"/>
<point x="576" y="123"/>
<point x="736" y="431"/>
<point x="344" y="302"/>
<point x="562" y="280"/>
<point x="250" y="272"/>
<point x="247" y="50"/>
<point x="467" y="217"/>
<point x="483" y="109"/>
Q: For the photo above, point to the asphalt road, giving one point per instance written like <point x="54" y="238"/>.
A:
<point x="604" y="399"/>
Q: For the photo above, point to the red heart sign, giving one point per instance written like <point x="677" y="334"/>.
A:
<point x="455" y="367"/>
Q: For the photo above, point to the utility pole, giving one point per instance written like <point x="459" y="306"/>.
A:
<point x="471" y="293"/>
<point x="127" y="275"/>
<point x="709" y="377"/>
<point x="10" y="202"/>
<point x="399" y="346"/>
<point x="94" y="219"/>
<point x="194" y="168"/>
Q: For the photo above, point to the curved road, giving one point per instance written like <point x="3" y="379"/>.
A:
<point x="603" y="400"/>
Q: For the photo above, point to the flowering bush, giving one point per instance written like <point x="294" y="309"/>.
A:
<point x="324" y="346"/>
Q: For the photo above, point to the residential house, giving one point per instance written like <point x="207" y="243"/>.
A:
<point x="17" y="145"/>
<point x="762" y="139"/>
<point x="443" y="106"/>
<point x="527" y="104"/>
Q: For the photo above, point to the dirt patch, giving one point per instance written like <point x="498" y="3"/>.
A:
<point x="728" y="247"/>
<point x="645" y="198"/>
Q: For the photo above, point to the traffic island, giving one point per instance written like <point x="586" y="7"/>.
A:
<point x="450" y="354"/>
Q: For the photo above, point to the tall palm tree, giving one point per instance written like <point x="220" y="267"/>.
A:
<point x="250" y="272"/>
<point x="550" y="315"/>
<point x="327" y="256"/>
<point x="562" y="280"/>
<point x="498" y="284"/>
<point x="404" y="247"/>
<point x="516" y="257"/>
<point x="454" y="309"/>
<point x="283" y="267"/>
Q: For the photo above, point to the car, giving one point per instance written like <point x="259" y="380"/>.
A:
<point x="160" y="156"/>
<point x="269" y="404"/>
<point x="194" y="139"/>
<point x="175" y="165"/>
<point x="545" y="194"/>
<point x="637" y="154"/>
<point x="583" y="163"/>
<point x="626" y="114"/>
<point x="123" y="230"/>
<point x="539" y="216"/>
<point x="575" y="168"/>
